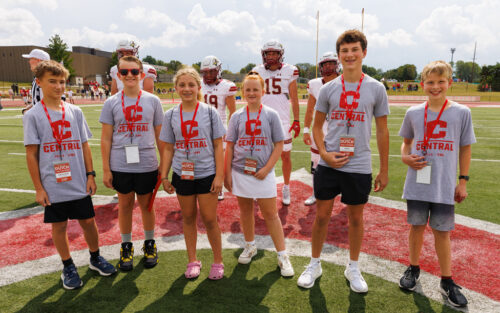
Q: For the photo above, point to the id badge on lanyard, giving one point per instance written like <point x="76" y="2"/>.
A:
<point x="250" y="166"/>
<point x="131" y="150"/>
<point x="424" y="174"/>
<point x="187" y="170"/>
<point x="347" y="143"/>
<point x="62" y="170"/>
<point x="132" y="153"/>
<point x="251" y="162"/>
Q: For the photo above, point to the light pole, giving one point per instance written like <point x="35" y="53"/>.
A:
<point x="452" y="52"/>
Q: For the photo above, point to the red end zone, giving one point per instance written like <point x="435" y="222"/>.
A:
<point x="475" y="252"/>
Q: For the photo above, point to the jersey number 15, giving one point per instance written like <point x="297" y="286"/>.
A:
<point x="273" y="88"/>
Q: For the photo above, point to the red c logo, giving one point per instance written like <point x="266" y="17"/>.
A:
<point x="61" y="129"/>
<point x="129" y="115"/>
<point x="256" y="129"/>
<point x="431" y="126"/>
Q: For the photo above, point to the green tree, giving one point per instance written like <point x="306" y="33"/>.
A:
<point x="173" y="66"/>
<point x="58" y="51"/>
<point x="373" y="72"/>
<point x="307" y="70"/>
<point x="464" y="71"/>
<point x="247" y="68"/>
<point x="114" y="59"/>
<point x="150" y="60"/>
<point x="402" y="73"/>
<point x="196" y="66"/>
<point x="490" y="77"/>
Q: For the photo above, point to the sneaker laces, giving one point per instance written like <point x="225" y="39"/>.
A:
<point x="356" y="274"/>
<point x="126" y="252"/>
<point x="149" y="248"/>
<point x="246" y="251"/>
<point x="309" y="269"/>
<point x="71" y="272"/>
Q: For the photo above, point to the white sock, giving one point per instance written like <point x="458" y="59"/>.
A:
<point x="353" y="264"/>
<point x="282" y="252"/>
<point x="315" y="261"/>
<point x="286" y="186"/>
<point x="252" y="243"/>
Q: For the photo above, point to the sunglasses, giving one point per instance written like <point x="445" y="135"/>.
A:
<point x="133" y="71"/>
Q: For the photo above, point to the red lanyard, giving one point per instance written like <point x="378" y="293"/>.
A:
<point x="427" y="133"/>
<point x="256" y="123"/>
<point x="129" y="123"/>
<point x="185" y="134"/>
<point x="349" y="109"/>
<point x="56" y="134"/>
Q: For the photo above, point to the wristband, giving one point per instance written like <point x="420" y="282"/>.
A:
<point x="164" y="178"/>
<point x="306" y="130"/>
<point x="463" y="177"/>
<point x="91" y="173"/>
<point x="296" y="121"/>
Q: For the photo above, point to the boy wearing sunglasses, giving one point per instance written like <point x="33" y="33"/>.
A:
<point x="131" y="123"/>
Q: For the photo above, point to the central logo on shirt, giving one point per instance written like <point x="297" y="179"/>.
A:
<point x="188" y="129"/>
<point x="61" y="129"/>
<point x="431" y="129"/>
<point x="130" y="117"/>
<point x="343" y="100"/>
<point x="252" y="128"/>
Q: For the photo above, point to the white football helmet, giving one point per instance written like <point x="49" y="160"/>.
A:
<point x="209" y="63"/>
<point x="272" y="46"/>
<point x="126" y="45"/>
<point x="329" y="57"/>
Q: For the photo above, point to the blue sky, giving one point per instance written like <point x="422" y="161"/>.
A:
<point x="403" y="32"/>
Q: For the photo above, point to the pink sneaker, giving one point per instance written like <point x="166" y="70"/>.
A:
<point x="193" y="269"/>
<point x="216" y="272"/>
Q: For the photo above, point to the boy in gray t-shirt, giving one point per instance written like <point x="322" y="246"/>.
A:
<point x="60" y="164"/>
<point x="437" y="135"/>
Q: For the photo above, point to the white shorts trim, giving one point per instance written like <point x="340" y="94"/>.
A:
<point x="247" y="186"/>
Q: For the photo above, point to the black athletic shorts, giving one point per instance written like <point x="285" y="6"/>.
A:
<point x="192" y="187"/>
<point x="140" y="183"/>
<point x="354" y="187"/>
<point x="80" y="209"/>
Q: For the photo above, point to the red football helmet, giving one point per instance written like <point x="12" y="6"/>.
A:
<point x="272" y="46"/>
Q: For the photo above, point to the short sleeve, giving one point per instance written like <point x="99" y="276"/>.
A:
<point x="114" y="72"/>
<point x="218" y="126"/>
<point x="276" y="127"/>
<point x="467" y="136"/>
<point x="295" y="73"/>
<point x="232" y="89"/>
<point x="381" y="103"/>
<point x="31" y="136"/>
<point x="150" y="72"/>
<point x="158" y="112"/>
<point x="83" y="127"/>
<point x="167" y="133"/>
<point x="322" y="101"/>
<point x="232" y="129"/>
<point x="107" y="113"/>
<point x="406" y="130"/>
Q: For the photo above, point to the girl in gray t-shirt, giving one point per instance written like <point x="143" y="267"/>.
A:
<point x="254" y="145"/>
<point x="192" y="132"/>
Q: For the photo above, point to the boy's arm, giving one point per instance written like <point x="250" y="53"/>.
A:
<point x="32" y="161"/>
<point x="149" y="85"/>
<point x="333" y="159"/>
<point x="311" y="102"/>
<point x="219" y="166"/>
<point x="106" y="140"/>
<point x="273" y="158"/>
<point x="89" y="167"/>
<point x="160" y="144"/>
<point x="464" y="157"/>
<point x="231" y="106"/>
<point x="114" y="88"/>
<point x="382" y="178"/>
<point x="228" y="181"/>
<point x="412" y="160"/>
<point x="294" y="99"/>
<point x="166" y="157"/>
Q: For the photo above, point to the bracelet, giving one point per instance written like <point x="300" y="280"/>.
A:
<point x="296" y="121"/>
<point x="164" y="178"/>
<point x="306" y="130"/>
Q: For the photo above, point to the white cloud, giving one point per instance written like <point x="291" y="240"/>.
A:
<point x="460" y="26"/>
<point x="49" y="4"/>
<point x="93" y="38"/>
<point x="19" y="27"/>
<point x="113" y="27"/>
<point x="399" y="37"/>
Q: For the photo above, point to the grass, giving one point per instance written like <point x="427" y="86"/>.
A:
<point x="456" y="89"/>
<point x="482" y="187"/>
<point x="257" y="287"/>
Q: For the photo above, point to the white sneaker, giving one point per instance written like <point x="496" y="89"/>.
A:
<point x="221" y="196"/>
<point x="311" y="200"/>
<point x="285" y="191"/>
<point x="285" y="266"/>
<point x="248" y="253"/>
<point x="357" y="282"/>
<point x="309" y="276"/>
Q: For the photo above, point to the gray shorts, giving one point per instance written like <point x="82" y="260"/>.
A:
<point x="440" y="216"/>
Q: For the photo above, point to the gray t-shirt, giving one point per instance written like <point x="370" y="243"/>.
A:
<point x="269" y="132"/>
<point x="149" y="115"/>
<point x="208" y="124"/>
<point x="37" y="131"/>
<point x="454" y="130"/>
<point x="372" y="103"/>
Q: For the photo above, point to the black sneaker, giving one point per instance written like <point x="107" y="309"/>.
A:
<point x="70" y="278"/>
<point x="409" y="279"/>
<point x="126" y="257"/>
<point x="452" y="292"/>
<point x="150" y="253"/>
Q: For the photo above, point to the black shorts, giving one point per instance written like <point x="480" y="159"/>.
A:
<point x="141" y="183"/>
<point x="80" y="209"/>
<point x="192" y="187"/>
<point x="354" y="187"/>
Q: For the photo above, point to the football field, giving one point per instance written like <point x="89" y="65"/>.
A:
<point x="30" y="269"/>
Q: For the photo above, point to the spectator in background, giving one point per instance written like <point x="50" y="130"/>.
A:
<point x="11" y="93"/>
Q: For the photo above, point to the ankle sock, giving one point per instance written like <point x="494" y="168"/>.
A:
<point x="67" y="262"/>
<point x="445" y="278"/>
<point x="282" y="253"/>
<point x="252" y="243"/>
<point x="314" y="261"/>
<point x="126" y="237"/>
<point x="149" y="234"/>
<point x="94" y="256"/>
<point x="353" y="264"/>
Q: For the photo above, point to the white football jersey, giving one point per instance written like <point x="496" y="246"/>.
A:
<point x="313" y="87"/>
<point x="149" y="70"/>
<point x="216" y="94"/>
<point x="277" y="83"/>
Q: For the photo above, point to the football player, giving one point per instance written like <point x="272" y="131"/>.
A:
<point x="128" y="47"/>
<point x="281" y="86"/>
<point x="217" y="91"/>
<point x="329" y="69"/>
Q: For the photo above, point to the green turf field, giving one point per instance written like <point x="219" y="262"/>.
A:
<point x="257" y="287"/>
<point x="482" y="187"/>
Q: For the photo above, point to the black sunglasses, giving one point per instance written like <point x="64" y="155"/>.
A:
<point x="125" y="71"/>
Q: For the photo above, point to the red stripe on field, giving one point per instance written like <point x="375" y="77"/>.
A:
<point x="475" y="252"/>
